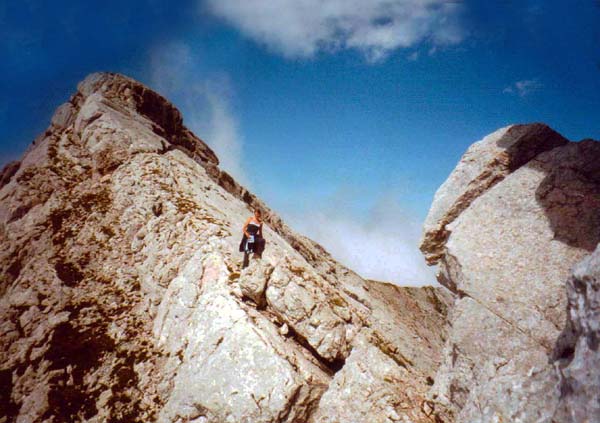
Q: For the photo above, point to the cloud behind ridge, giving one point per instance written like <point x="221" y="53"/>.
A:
<point x="205" y="101"/>
<point x="381" y="245"/>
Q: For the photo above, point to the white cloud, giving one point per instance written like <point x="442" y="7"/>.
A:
<point x="301" y="28"/>
<point x="382" y="246"/>
<point x="224" y="135"/>
<point x="205" y="102"/>
<point x="523" y="88"/>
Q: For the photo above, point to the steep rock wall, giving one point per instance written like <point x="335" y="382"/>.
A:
<point x="577" y="354"/>
<point x="519" y="210"/>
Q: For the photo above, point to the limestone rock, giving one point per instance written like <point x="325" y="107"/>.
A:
<point x="122" y="296"/>
<point x="485" y="163"/>
<point x="253" y="281"/>
<point x="506" y="235"/>
<point x="579" y="356"/>
<point x="245" y="377"/>
<point x="370" y="381"/>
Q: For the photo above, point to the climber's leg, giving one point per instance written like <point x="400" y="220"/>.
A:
<point x="259" y="247"/>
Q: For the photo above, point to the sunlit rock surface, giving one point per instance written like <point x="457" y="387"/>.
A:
<point x="506" y="228"/>
<point x="122" y="296"/>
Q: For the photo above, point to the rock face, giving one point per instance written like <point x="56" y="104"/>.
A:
<point x="484" y="164"/>
<point x="579" y="355"/>
<point x="122" y="297"/>
<point x="519" y="210"/>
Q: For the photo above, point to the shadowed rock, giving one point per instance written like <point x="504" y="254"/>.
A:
<point x="570" y="193"/>
<point x="579" y="353"/>
<point x="8" y="172"/>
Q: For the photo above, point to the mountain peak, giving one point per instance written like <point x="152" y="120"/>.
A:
<point x="121" y="279"/>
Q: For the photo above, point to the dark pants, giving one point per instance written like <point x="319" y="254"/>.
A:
<point x="258" y="246"/>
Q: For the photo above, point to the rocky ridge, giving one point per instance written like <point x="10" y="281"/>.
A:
<point x="506" y="228"/>
<point x="122" y="297"/>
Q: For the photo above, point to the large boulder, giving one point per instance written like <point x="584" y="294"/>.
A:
<point x="485" y="163"/>
<point x="505" y="238"/>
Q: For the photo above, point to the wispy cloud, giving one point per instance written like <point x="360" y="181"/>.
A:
<point x="301" y="28"/>
<point x="204" y="100"/>
<point x="413" y="57"/>
<point x="382" y="245"/>
<point x="523" y="88"/>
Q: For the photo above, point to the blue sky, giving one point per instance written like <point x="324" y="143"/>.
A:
<point x="344" y="116"/>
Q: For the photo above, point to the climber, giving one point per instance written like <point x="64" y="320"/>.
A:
<point x="252" y="240"/>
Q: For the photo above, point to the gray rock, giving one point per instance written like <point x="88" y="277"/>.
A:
<point x="579" y="356"/>
<point x="507" y="253"/>
<point x="253" y="281"/>
<point x="63" y="116"/>
<point x="233" y="371"/>
<point x="371" y="388"/>
<point x="485" y="163"/>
